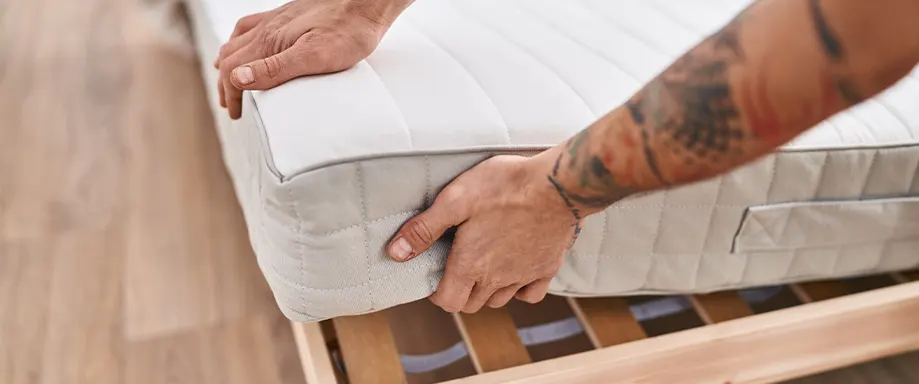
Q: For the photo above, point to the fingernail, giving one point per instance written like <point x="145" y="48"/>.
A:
<point x="243" y="75"/>
<point x="401" y="249"/>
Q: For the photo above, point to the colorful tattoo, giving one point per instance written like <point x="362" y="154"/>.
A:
<point x="710" y="110"/>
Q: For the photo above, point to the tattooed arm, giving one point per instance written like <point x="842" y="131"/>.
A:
<point x="779" y="68"/>
<point x="776" y="70"/>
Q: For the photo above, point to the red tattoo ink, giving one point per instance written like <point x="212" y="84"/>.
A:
<point x="763" y="120"/>
<point x="626" y="139"/>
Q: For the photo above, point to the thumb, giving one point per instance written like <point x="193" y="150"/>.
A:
<point x="420" y="233"/>
<point x="275" y="70"/>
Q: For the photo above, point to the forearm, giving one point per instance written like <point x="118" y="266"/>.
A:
<point x="778" y="69"/>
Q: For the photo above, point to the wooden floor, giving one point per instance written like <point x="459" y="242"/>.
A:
<point x="123" y="256"/>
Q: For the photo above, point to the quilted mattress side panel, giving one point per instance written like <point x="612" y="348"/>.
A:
<point x="762" y="224"/>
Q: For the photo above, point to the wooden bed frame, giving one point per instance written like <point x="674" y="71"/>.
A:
<point x="829" y="330"/>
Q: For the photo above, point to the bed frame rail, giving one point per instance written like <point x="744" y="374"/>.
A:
<point x="735" y="346"/>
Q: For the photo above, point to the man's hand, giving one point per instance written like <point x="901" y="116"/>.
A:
<point x="302" y="37"/>
<point x="513" y="232"/>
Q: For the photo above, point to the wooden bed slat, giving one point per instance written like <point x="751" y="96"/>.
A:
<point x="819" y="290"/>
<point x="491" y="339"/>
<point x="368" y="349"/>
<point x="607" y="321"/>
<point x="317" y="365"/>
<point x="719" y="307"/>
<point x="770" y="347"/>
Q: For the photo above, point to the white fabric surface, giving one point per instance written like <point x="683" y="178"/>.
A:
<point x="327" y="167"/>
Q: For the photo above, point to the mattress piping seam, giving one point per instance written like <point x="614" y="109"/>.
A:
<point x="532" y="149"/>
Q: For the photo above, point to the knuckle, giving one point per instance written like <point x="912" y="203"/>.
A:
<point x="495" y="283"/>
<point x="268" y="39"/>
<point x="272" y="66"/>
<point x="421" y="231"/>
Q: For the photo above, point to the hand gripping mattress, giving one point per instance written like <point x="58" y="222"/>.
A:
<point x="327" y="168"/>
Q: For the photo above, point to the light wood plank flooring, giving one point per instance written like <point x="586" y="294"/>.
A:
<point x="123" y="255"/>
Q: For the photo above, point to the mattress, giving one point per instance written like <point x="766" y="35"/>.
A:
<point x="326" y="168"/>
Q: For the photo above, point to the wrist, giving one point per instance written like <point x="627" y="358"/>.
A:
<point x="382" y="12"/>
<point x="552" y="186"/>
<point x="564" y="180"/>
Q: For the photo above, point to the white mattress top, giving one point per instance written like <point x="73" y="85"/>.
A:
<point x="453" y="76"/>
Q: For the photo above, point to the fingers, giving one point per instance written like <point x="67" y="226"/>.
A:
<point x="247" y="22"/>
<point x="298" y="60"/>
<point x="232" y="95"/>
<point x="244" y="25"/>
<point x="221" y="93"/>
<point x="452" y="292"/>
<point x="420" y="233"/>
<point x="534" y="292"/>
<point x="479" y="296"/>
<point x="502" y="296"/>
<point x="233" y="46"/>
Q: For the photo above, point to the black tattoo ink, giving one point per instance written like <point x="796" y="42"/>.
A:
<point x="571" y="208"/>
<point x="827" y="38"/>
<point x="598" y="168"/>
<point x="832" y="45"/>
<point x="637" y="115"/>
<point x="692" y="104"/>
<point x="649" y="157"/>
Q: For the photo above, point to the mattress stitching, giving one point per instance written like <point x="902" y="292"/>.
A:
<point x="915" y="177"/>
<point x="829" y="121"/>
<point x="405" y="126"/>
<point x="883" y="244"/>
<point x="711" y="217"/>
<point x="533" y="149"/>
<point x="350" y="287"/>
<point x="533" y="56"/>
<point x="613" y="208"/>
<point x="360" y="183"/>
<point x="854" y="116"/>
<point x="874" y="156"/>
<point x="442" y="48"/>
<point x="821" y="176"/>
<point x="772" y="174"/>
<point x="300" y="245"/>
<point x="605" y="20"/>
<point x="675" y="21"/>
<point x="558" y="30"/>
<point x="896" y="115"/>
<point x="657" y="237"/>
<point x="593" y="282"/>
